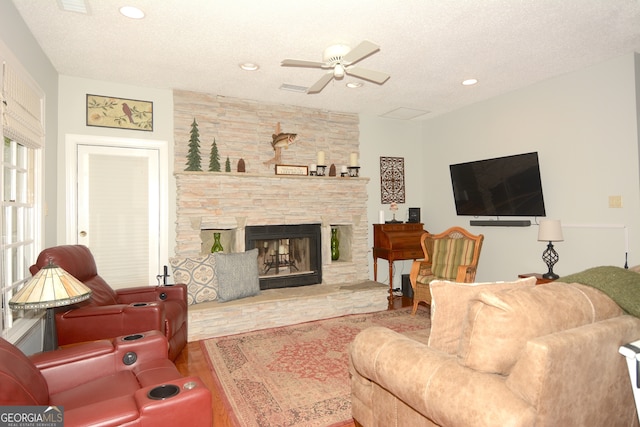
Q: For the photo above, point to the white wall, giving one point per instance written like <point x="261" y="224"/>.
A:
<point x="72" y="120"/>
<point x="391" y="138"/>
<point x="584" y="126"/>
<point x="18" y="39"/>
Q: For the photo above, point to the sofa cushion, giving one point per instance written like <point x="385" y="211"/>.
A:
<point x="449" y="305"/>
<point x="198" y="274"/>
<point x="499" y="324"/>
<point x="237" y="275"/>
<point x="448" y="254"/>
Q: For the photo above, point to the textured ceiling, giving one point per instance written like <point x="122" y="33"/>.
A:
<point x="427" y="46"/>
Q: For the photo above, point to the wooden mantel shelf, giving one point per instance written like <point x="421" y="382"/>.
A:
<point x="266" y="175"/>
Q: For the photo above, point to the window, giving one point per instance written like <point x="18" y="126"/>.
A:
<point x="18" y="223"/>
<point x="22" y="105"/>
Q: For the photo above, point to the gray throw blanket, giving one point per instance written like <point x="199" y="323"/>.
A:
<point x="621" y="285"/>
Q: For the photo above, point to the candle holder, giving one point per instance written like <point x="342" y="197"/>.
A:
<point x="344" y="174"/>
<point x="320" y="170"/>
<point x="354" y="171"/>
<point x="313" y="173"/>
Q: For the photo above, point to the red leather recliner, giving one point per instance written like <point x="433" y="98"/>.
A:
<point x="111" y="313"/>
<point x="125" y="381"/>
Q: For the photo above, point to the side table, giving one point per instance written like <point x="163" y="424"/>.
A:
<point x="539" y="279"/>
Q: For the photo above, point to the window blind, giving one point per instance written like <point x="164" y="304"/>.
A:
<point x="22" y="110"/>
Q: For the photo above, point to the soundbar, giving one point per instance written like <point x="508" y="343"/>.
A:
<point x="501" y="223"/>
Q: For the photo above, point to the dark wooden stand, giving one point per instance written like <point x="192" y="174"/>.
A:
<point x="396" y="242"/>
<point x="539" y="279"/>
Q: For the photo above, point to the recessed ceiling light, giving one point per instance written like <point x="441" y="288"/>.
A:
<point x="469" y="82"/>
<point x="132" y="12"/>
<point x="249" y="66"/>
<point x="354" y="85"/>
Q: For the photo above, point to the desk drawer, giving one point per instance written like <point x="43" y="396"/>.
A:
<point x="409" y="254"/>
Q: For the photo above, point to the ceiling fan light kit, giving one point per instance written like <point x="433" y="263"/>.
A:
<point x="339" y="59"/>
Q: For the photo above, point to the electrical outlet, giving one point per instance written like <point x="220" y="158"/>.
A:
<point x="615" y="201"/>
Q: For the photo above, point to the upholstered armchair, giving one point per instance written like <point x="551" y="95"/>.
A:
<point x="110" y="313"/>
<point x="451" y="255"/>
<point x="122" y="381"/>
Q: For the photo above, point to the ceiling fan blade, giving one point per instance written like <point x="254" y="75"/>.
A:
<point x="320" y="84"/>
<point x="361" y="51"/>
<point x="373" y="76"/>
<point x="301" y="63"/>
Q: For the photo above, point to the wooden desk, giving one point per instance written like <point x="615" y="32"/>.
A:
<point x="398" y="241"/>
<point x="539" y="279"/>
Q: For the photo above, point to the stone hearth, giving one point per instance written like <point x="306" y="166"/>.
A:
<point x="286" y="306"/>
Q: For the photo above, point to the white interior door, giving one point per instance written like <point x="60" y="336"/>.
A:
<point x="119" y="211"/>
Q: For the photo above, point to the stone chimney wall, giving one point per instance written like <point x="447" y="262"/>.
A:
<point x="229" y="201"/>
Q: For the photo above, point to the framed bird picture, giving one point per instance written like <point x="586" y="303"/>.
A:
<point x="110" y="112"/>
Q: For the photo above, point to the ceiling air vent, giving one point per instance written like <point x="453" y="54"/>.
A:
<point x="294" y="88"/>
<point x="78" y="6"/>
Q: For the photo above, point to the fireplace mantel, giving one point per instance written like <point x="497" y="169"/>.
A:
<point x="232" y="201"/>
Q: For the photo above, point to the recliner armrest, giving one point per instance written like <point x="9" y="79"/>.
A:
<point x="93" y="323"/>
<point x="71" y="354"/>
<point x="79" y="363"/>
<point x="152" y="294"/>
<point x="191" y="406"/>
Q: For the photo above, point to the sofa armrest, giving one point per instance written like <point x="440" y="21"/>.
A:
<point x="100" y="322"/>
<point x="578" y="375"/>
<point x="434" y="384"/>
<point x="152" y="294"/>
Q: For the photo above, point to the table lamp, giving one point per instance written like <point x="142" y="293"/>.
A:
<point x="550" y="230"/>
<point x="51" y="287"/>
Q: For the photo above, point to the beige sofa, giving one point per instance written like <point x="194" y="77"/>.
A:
<point x="509" y="355"/>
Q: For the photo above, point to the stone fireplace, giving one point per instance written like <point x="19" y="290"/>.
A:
<point x="229" y="202"/>
<point x="233" y="203"/>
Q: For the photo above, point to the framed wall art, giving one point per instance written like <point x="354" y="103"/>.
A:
<point x="110" y="112"/>
<point x="292" y="170"/>
<point x="392" y="180"/>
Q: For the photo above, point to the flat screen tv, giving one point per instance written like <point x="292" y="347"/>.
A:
<point x="503" y="186"/>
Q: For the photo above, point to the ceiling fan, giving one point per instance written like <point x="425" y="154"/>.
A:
<point x="339" y="59"/>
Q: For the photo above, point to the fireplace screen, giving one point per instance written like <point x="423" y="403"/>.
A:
<point x="283" y="256"/>
<point x="288" y="255"/>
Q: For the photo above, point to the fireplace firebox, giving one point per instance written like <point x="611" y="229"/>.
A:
<point x="288" y="255"/>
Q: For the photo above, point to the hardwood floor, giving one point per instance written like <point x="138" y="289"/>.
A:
<point x="193" y="362"/>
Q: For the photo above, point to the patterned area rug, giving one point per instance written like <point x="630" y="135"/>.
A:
<point x="297" y="375"/>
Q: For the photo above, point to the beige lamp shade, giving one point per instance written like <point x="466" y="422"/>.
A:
<point x="550" y="230"/>
<point x="52" y="286"/>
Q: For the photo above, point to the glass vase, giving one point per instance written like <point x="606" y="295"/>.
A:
<point x="217" y="246"/>
<point x="335" y="244"/>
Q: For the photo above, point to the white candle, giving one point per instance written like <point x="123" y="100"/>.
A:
<point x="321" y="158"/>
<point x="343" y="169"/>
<point x="312" y="168"/>
<point x="381" y="218"/>
<point x="353" y="159"/>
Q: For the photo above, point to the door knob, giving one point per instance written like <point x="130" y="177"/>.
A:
<point x="83" y="234"/>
